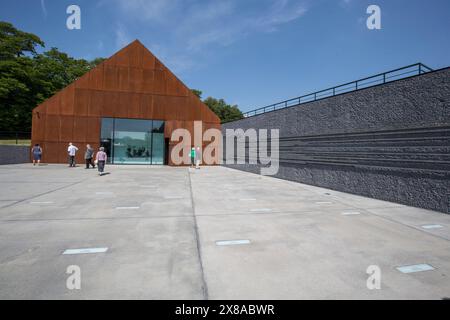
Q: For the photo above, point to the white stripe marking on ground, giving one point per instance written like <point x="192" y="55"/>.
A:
<point x="415" y="268"/>
<point x="351" y="213"/>
<point x="232" y="242"/>
<point x="85" y="250"/>
<point x="432" y="226"/>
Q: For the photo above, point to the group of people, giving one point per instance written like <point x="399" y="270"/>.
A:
<point x="100" y="157"/>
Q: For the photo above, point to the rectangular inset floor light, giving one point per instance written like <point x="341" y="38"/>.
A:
<point x="432" y="226"/>
<point x="351" y="213"/>
<point x="261" y="210"/>
<point x="324" y="202"/>
<point x="232" y="242"/>
<point x="127" y="208"/>
<point x="415" y="268"/>
<point x="85" y="250"/>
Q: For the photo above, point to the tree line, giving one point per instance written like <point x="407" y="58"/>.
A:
<point x="27" y="78"/>
<point x="223" y="110"/>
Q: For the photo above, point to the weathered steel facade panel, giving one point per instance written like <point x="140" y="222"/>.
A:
<point x="131" y="84"/>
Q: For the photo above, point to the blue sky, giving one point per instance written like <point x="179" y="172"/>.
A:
<point x="250" y="52"/>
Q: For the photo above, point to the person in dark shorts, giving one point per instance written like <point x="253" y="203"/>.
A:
<point x="37" y="154"/>
<point x="89" y="156"/>
<point x="100" y="159"/>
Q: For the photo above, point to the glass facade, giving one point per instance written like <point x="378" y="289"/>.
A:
<point x="133" y="141"/>
<point x="158" y="145"/>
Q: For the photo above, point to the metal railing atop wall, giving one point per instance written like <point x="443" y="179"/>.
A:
<point x="15" y="138"/>
<point x="381" y="78"/>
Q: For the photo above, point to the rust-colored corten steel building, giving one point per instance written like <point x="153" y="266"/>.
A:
<point x="130" y="104"/>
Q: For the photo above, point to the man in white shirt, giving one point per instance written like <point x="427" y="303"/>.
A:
<point x="72" y="150"/>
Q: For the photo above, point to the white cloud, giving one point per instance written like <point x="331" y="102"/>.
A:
<point x="228" y="24"/>
<point x="150" y="10"/>
<point x="122" y="37"/>
<point x="44" y="8"/>
<point x="281" y="12"/>
<point x="176" y="62"/>
<point x="100" y="45"/>
<point x="194" y="27"/>
<point x="345" y="3"/>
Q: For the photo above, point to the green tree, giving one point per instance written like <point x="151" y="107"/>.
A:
<point x="198" y="93"/>
<point x="16" y="76"/>
<point x="16" y="43"/>
<point x="223" y="110"/>
<point x="28" y="78"/>
<point x="57" y="70"/>
<point x="96" y="62"/>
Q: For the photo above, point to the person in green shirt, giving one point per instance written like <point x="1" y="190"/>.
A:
<point x="192" y="157"/>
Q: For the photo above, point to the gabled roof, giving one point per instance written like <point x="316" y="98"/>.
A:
<point x="135" y="73"/>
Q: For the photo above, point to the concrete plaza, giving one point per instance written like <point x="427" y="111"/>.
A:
<point x="163" y="226"/>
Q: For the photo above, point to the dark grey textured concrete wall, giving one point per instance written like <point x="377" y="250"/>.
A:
<point x="390" y="142"/>
<point x="11" y="154"/>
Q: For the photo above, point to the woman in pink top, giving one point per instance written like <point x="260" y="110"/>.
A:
<point x="100" y="158"/>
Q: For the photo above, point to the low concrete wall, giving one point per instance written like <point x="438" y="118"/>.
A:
<point x="390" y="142"/>
<point x="11" y="154"/>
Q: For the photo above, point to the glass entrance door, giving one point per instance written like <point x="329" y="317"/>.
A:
<point x="134" y="141"/>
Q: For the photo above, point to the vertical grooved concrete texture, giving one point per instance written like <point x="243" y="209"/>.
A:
<point x="389" y="142"/>
<point x="11" y="154"/>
